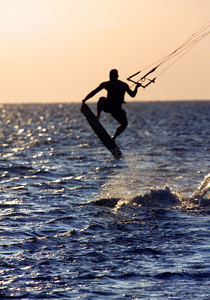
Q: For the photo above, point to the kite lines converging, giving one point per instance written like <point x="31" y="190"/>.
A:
<point x="172" y="57"/>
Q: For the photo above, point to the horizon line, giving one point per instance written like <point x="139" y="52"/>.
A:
<point x="78" y="102"/>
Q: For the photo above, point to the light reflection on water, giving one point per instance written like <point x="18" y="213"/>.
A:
<point x="77" y="223"/>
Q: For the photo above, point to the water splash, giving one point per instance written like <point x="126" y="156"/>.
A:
<point x="201" y="198"/>
<point x="156" y="198"/>
<point x="199" y="201"/>
<point x="203" y="189"/>
<point x="163" y="198"/>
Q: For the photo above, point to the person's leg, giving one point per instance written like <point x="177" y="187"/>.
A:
<point x="122" y="119"/>
<point x="100" y="106"/>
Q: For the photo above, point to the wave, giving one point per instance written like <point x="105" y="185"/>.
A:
<point x="165" y="198"/>
<point x="203" y="190"/>
<point x="156" y="198"/>
<point x="200" y="199"/>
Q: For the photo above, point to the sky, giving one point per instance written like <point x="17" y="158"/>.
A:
<point x="60" y="50"/>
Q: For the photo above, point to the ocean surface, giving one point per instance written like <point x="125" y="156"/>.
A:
<point x="77" y="224"/>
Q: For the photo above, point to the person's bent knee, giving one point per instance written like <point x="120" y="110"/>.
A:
<point x="103" y="105"/>
<point x="102" y="100"/>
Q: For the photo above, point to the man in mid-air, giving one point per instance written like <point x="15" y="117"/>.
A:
<point x="115" y="98"/>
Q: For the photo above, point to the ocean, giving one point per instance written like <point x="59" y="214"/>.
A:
<point x="75" y="223"/>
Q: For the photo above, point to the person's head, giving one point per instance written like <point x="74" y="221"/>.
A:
<point x="113" y="74"/>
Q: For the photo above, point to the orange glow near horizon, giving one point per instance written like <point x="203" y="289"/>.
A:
<point x="59" y="50"/>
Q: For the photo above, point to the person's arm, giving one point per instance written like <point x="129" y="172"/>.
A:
<point x="134" y="92"/>
<point x="91" y="94"/>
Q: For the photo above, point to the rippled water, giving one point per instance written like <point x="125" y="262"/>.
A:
<point x="75" y="223"/>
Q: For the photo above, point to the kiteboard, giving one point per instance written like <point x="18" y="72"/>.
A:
<point x="101" y="132"/>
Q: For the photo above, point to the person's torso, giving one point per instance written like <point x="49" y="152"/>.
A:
<point x="115" y="91"/>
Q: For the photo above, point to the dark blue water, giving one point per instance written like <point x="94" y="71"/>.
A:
<point x="77" y="224"/>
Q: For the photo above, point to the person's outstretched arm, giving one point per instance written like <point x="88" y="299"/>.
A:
<point x="91" y="94"/>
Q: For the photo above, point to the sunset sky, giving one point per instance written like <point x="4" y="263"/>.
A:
<point x="60" y="50"/>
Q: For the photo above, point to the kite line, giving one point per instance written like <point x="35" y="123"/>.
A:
<point x="172" y="57"/>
